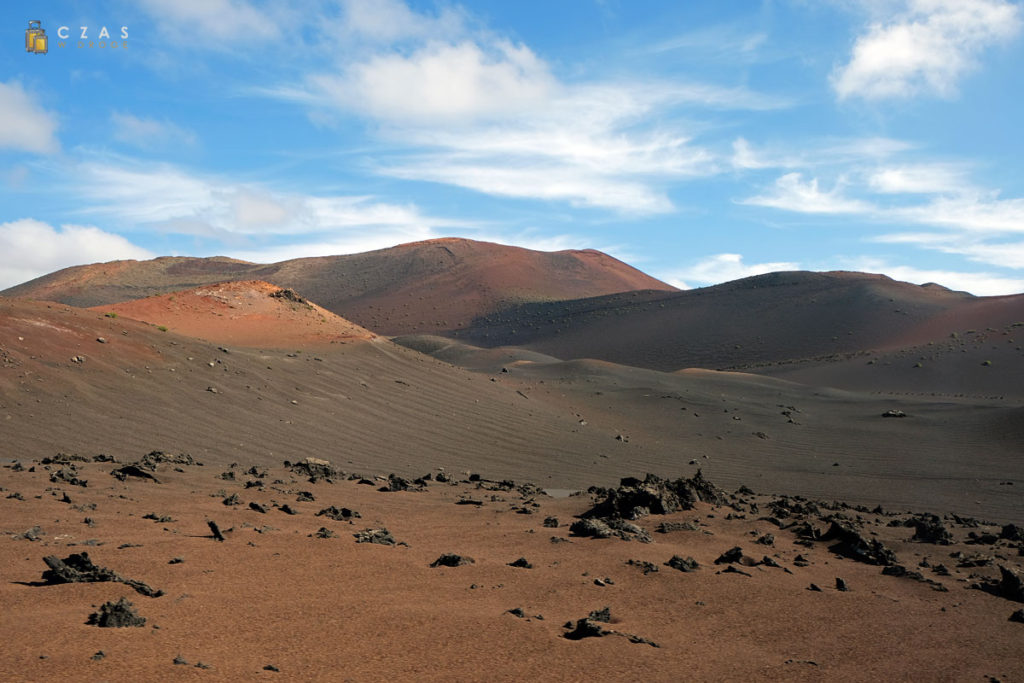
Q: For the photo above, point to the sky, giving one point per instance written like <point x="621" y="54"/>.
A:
<point x="700" y="142"/>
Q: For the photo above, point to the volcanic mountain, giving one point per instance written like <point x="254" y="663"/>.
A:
<point x="773" y="324"/>
<point x="419" y="287"/>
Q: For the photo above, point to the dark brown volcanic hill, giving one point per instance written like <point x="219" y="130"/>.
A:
<point x="418" y="287"/>
<point x="760" y="320"/>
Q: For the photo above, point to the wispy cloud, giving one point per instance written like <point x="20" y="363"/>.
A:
<point x="149" y="133"/>
<point x="31" y="248"/>
<point x="792" y="193"/>
<point x="980" y="284"/>
<point x="723" y="268"/>
<point x="461" y="105"/>
<point x="926" y="48"/>
<point x="24" y="124"/>
<point x="219" y="20"/>
<point x="173" y="200"/>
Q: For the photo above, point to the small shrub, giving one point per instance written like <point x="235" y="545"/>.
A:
<point x="162" y="328"/>
<point x="111" y="314"/>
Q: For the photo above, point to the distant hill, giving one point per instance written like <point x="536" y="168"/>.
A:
<point x="766" y="319"/>
<point x="431" y="286"/>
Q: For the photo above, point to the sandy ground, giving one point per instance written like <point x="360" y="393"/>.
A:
<point x="333" y="609"/>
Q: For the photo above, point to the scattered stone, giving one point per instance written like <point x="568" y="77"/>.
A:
<point x="100" y="654"/>
<point x="735" y="555"/>
<point x="669" y="527"/>
<point x="929" y="529"/>
<point x="118" y="614"/>
<point x="1009" y="585"/>
<point x="814" y="588"/>
<point x="469" y="501"/>
<point x="850" y="543"/>
<point x="162" y="519"/>
<point x="338" y="514"/>
<point x="176" y="560"/>
<point x="894" y="413"/>
<point x="324" y="532"/>
<point x="397" y="483"/>
<point x="1018" y="616"/>
<point x="516" y="612"/>
<point x="316" y="469"/>
<point x="731" y="569"/>
<point x="801" y="561"/>
<point x="180" y="661"/>
<point x="645" y="567"/>
<point x="521" y="563"/>
<point x="33" y="534"/>
<point x="609" y="528"/>
<point x="588" y="628"/>
<point x="233" y="499"/>
<point x="379" y="536"/>
<point x="767" y="539"/>
<point x="215" y="530"/>
<point x="551" y="522"/>
<point x="126" y="471"/>
<point x="603" y="615"/>
<point x="78" y="568"/>
<point x="841" y="585"/>
<point x="257" y="507"/>
<point x="305" y="497"/>
<point x="683" y="564"/>
<point x="637" y="498"/>
<point x="452" y="560"/>
<point x="271" y="667"/>
<point x="1012" y="532"/>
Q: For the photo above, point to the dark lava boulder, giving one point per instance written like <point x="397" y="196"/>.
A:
<point x="338" y="514"/>
<point x="609" y="528"/>
<point x="379" y="536"/>
<point x="929" y="529"/>
<point x="118" y="614"/>
<point x="636" y="498"/>
<point x="452" y="560"/>
<point x="683" y="564"/>
<point x="850" y="543"/>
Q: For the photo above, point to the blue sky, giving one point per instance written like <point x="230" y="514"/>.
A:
<point x="698" y="141"/>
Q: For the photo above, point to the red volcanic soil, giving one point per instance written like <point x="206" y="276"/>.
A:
<point x="422" y="286"/>
<point x="247" y="313"/>
<point x="289" y="594"/>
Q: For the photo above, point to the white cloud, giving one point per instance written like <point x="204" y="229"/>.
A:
<point x="919" y="179"/>
<point x="24" y="124"/>
<point x="813" y="154"/>
<point x="723" y="268"/>
<point x="925" y="49"/>
<point x="218" y="20"/>
<point x="969" y="213"/>
<point x="389" y="21"/>
<point x="441" y="83"/>
<point x="147" y="133"/>
<point x="791" y="193"/>
<point x="173" y="200"/>
<point x="31" y="248"/>
<point x="980" y="284"/>
<point x="1002" y="254"/>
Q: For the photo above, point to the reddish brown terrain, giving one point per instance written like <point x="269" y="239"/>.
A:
<point x="256" y="314"/>
<point x="887" y="454"/>
<point x="418" y="287"/>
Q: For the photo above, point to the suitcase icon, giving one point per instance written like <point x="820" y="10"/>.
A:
<point x="35" y="38"/>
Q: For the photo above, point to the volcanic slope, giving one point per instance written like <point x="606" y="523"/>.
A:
<point x="759" y="322"/>
<point x="78" y="381"/>
<point x="248" y="313"/>
<point x="418" y="287"/>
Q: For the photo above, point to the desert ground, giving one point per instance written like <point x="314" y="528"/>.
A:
<point x="843" y="431"/>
